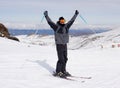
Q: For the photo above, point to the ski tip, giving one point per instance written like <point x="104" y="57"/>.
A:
<point x="86" y="77"/>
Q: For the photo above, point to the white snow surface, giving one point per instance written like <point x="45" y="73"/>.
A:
<point x="30" y="63"/>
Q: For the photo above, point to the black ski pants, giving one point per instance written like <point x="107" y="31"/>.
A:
<point x="62" y="57"/>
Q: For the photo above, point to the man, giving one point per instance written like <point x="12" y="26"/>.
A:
<point x="61" y="32"/>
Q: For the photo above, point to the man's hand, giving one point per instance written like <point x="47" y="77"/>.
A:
<point x="46" y="13"/>
<point x="76" y="12"/>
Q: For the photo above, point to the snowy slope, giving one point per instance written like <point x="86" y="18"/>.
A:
<point x="25" y="65"/>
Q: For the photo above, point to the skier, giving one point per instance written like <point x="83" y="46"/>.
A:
<point x="61" y="32"/>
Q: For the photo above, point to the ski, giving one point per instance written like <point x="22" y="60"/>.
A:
<point x="72" y="78"/>
<point x="66" y="78"/>
<point x="80" y="77"/>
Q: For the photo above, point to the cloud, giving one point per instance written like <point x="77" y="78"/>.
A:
<point x="32" y="10"/>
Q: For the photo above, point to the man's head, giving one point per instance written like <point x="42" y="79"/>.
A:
<point x="62" y="20"/>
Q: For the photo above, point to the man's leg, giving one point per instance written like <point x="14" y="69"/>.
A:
<point x="61" y="61"/>
<point x="65" y="58"/>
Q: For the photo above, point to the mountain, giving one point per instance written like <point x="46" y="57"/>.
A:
<point x="104" y="39"/>
<point x="44" y="25"/>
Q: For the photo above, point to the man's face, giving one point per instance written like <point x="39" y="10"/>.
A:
<point x="62" y="21"/>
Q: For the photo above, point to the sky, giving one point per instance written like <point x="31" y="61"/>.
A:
<point x="31" y="11"/>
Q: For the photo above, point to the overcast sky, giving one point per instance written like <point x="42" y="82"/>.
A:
<point x="31" y="11"/>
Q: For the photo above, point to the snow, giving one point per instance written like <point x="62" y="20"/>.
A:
<point x="30" y="63"/>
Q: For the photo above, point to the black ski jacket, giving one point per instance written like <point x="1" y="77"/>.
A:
<point x="61" y="31"/>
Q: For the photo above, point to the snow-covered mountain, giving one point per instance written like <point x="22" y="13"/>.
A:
<point x="103" y="40"/>
<point x="106" y="39"/>
<point x="44" y="25"/>
<point x="30" y="63"/>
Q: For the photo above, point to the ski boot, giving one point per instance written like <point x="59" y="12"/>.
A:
<point x="67" y="74"/>
<point x="59" y="74"/>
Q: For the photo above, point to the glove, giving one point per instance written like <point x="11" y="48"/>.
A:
<point x="46" y="13"/>
<point x="76" y="12"/>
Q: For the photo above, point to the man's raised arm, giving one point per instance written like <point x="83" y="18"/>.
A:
<point x="50" y="22"/>
<point x="72" y="19"/>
